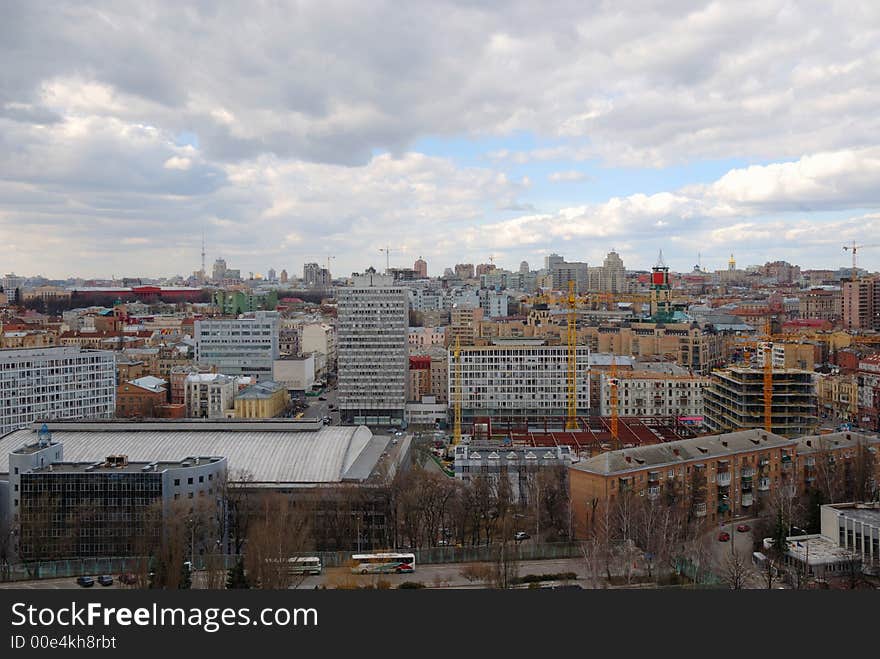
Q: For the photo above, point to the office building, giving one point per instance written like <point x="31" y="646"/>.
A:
<point x="244" y="346"/>
<point x="55" y="383"/>
<point x="517" y="380"/>
<point x="372" y="352"/>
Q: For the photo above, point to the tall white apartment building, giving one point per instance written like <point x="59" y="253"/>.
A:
<point x="242" y="346"/>
<point x="319" y="338"/>
<point x="643" y="393"/>
<point x="66" y="382"/>
<point x="372" y="355"/>
<point x="521" y="380"/>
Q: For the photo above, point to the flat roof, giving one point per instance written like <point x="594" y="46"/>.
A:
<point x="104" y="467"/>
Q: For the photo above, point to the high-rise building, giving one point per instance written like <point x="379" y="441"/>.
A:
<point x="244" y="346"/>
<point x="314" y="276"/>
<point x="373" y="333"/>
<point x="613" y="274"/>
<point x="271" y="275"/>
<point x="55" y="383"/>
<point x="524" y="268"/>
<point x="219" y="271"/>
<point x="564" y="271"/>
<point x="421" y="268"/>
<point x="284" y="276"/>
<point x="551" y="260"/>
<point x="861" y="304"/>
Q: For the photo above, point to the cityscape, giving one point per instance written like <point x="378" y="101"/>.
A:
<point x="447" y="296"/>
<point x="565" y="425"/>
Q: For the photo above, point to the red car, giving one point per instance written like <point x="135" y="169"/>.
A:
<point x="743" y="528"/>
<point x="724" y="536"/>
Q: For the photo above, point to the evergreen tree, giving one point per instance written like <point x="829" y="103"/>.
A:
<point x="780" y="535"/>
<point x="185" y="577"/>
<point x="814" y="520"/>
<point x="236" y="577"/>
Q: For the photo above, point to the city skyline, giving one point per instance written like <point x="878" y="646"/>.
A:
<point x="445" y="131"/>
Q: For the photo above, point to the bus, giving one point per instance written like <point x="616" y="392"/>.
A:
<point x="304" y="565"/>
<point x="383" y="563"/>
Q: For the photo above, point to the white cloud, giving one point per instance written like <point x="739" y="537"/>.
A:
<point x="176" y="162"/>
<point x="567" y="176"/>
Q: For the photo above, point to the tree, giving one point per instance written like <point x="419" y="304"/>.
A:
<point x="779" y="547"/>
<point x="237" y="579"/>
<point x="736" y="571"/>
<point x="280" y="532"/>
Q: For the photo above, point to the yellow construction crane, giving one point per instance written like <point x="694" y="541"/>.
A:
<point x="854" y="249"/>
<point x="571" y="417"/>
<point x="767" y="366"/>
<point x="456" y="403"/>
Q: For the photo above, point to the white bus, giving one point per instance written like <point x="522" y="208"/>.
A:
<point x="304" y="565"/>
<point x="383" y="563"/>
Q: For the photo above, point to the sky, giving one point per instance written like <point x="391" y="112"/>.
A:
<point x="455" y="131"/>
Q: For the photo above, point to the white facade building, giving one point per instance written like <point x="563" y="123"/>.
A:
<point x="295" y="373"/>
<point x="319" y="338"/>
<point x="372" y="350"/>
<point x="642" y="393"/>
<point x="518" y="379"/>
<point x="55" y="383"/>
<point x="243" y="346"/>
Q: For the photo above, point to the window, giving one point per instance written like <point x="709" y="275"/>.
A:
<point x="201" y="479"/>
<point x="176" y="482"/>
<point x="189" y="481"/>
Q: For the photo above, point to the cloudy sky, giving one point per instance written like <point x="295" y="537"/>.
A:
<point x="455" y="131"/>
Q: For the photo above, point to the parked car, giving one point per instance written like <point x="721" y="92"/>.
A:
<point x="322" y="397"/>
<point x="724" y="536"/>
<point x="743" y="528"/>
<point x="521" y="535"/>
<point x="105" y="580"/>
<point x="129" y="578"/>
<point x="85" y="582"/>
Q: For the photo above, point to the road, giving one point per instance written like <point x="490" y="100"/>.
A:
<point x="321" y="408"/>
<point x="740" y="543"/>
<point x="65" y="583"/>
<point x="444" y="575"/>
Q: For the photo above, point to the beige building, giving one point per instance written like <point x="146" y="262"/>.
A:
<point x="264" y="400"/>
<point x="465" y="323"/>
<point x="645" y="393"/>
<point x="821" y="303"/>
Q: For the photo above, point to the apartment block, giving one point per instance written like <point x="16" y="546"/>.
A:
<point x="861" y="304"/>
<point x="711" y="478"/>
<point x="373" y="362"/>
<point x="821" y="303"/>
<point x="243" y="346"/>
<point x="209" y="395"/>
<point x="734" y="400"/>
<point x="55" y="383"/>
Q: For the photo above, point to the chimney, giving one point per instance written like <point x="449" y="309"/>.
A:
<point x="724" y="442"/>
<point x="676" y="451"/>
<point x="629" y="459"/>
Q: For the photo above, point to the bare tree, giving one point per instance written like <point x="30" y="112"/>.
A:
<point x="736" y="571"/>
<point x="278" y="532"/>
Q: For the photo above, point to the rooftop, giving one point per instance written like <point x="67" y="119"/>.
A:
<point x="272" y="452"/>
<point x="107" y="466"/>
<point x="685" y="450"/>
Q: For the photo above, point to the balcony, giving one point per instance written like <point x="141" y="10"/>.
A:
<point x="700" y="509"/>
<point x="763" y="462"/>
<point x="653" y="492"/>
<point x="723" y="478"/>
<point x="747" y="500"/>
<point x="764" y="484"/>
<point x="748" y="472"/>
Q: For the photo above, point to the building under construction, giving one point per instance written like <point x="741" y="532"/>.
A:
<point x="593" y="434"/>
<point x="735" y="400"/>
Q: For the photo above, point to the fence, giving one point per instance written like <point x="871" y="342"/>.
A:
<point x="430" y="555"/>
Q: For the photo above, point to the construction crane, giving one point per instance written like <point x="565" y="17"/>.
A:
<point x="388" y="251"/>
<point x="456" y="403"/>
<point x="854" y="249"/>
<point x="571" y="417"/>
<point x="612" y="382"/>
<point x="766" y="341"/>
